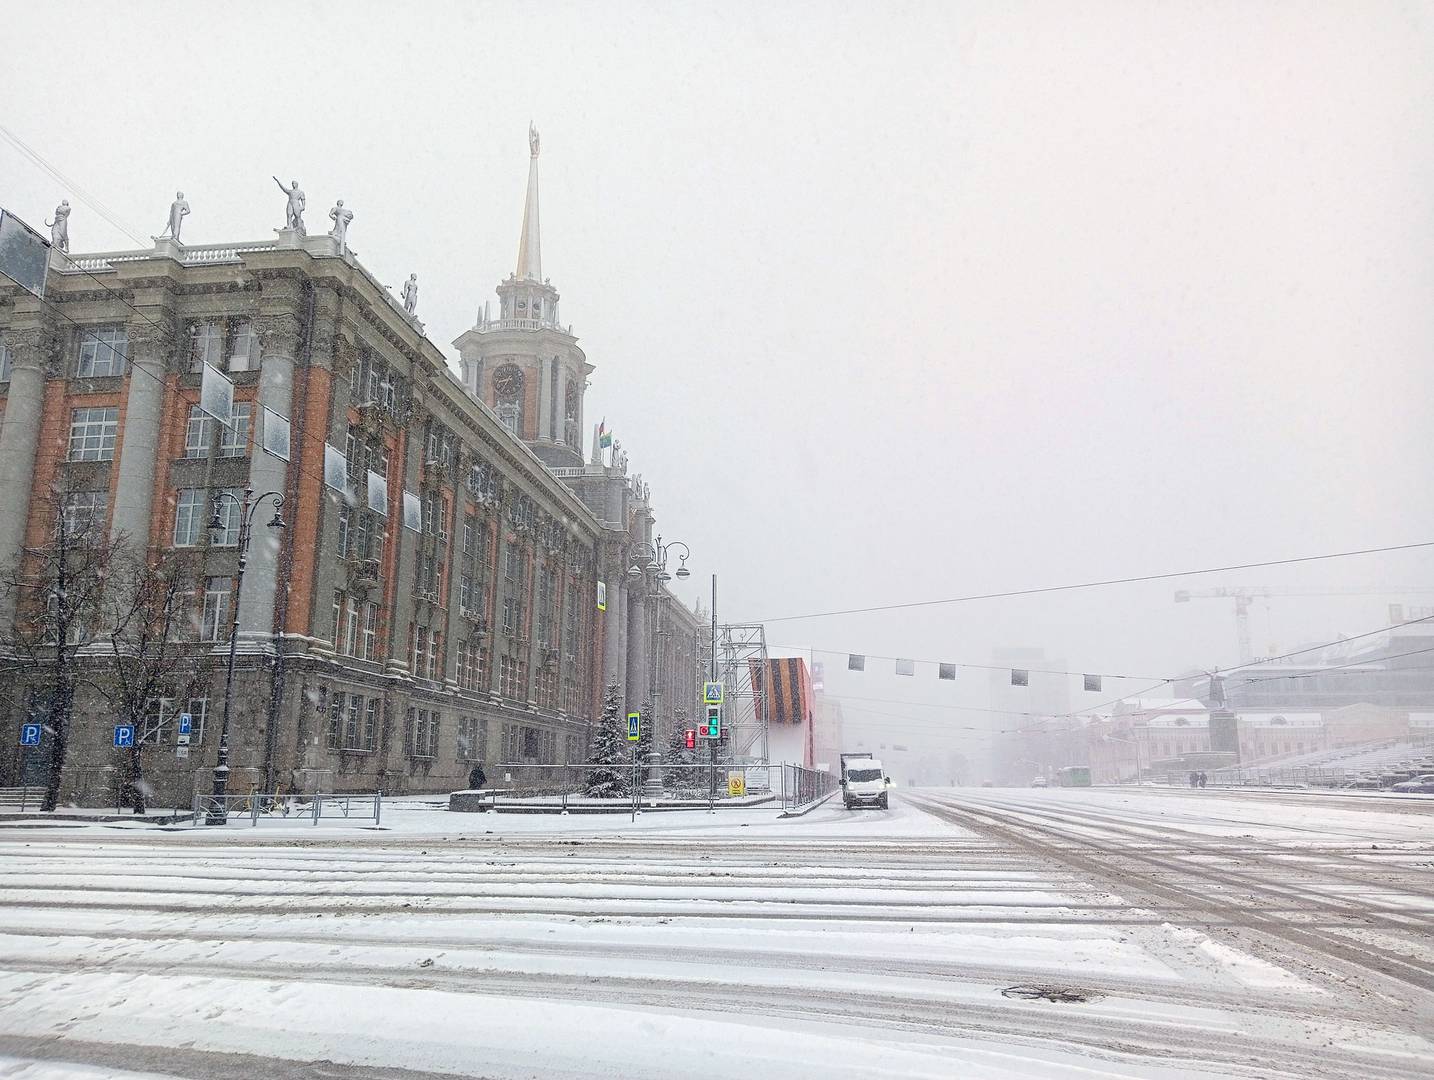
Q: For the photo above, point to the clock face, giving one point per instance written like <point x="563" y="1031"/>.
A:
<point x="507" y="381"/>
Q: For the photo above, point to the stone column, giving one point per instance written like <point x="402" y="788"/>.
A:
<point x="614" y="664"/>
<point x="19" y="438"/>
<point x="139" y="447"/>
<point x="278" y="340"/>
<point x="636" y="646"/>
<point x="543" y="369"/>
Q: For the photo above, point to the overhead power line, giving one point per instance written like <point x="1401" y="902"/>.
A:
<point x="80" y="193"/>
<point x="1098" y="584"/>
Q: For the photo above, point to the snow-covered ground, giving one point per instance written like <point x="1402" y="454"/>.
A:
<point x="683" y="945"/>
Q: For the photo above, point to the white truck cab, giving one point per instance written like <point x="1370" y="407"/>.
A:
<point x="863" y="782"/>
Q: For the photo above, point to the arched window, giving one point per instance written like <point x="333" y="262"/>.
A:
<point x="508" y="397"/>
<point x="1278" y="720"/>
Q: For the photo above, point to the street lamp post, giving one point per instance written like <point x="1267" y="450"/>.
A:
<point x="218" y="810"/>
<point x="656" y="571"/>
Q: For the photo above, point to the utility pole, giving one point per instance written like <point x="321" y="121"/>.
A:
<point x="712" y="743"/>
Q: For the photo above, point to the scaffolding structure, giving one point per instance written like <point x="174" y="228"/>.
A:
<point x="741" y="655"/>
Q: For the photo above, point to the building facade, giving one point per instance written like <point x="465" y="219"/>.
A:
<point x="434" y="599"/>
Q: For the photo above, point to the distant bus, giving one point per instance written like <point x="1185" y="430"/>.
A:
<point x="1074" y="776"/>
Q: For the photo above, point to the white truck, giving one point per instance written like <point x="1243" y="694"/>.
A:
<point x="863" y="783"/>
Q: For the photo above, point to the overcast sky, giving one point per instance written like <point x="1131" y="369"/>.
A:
<point x="888" y="303"/>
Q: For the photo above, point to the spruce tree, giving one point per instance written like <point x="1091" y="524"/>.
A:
<point x="609" y="773"/>
<point x="676" y="753"/>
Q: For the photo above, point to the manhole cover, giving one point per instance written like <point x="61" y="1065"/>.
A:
<point x="1064" y="994"/>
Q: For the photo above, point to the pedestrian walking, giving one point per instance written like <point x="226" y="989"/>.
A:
<point x="1194" y="778"/>
<point x="477" y="778"/>
<point x="1203" y="779"/>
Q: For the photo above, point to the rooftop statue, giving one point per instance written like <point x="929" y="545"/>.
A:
<point x="60" y="227"/>
<point x="532" y="140"/>
<point x="178" y="211"/>
<point x="410" y="294"/>
<point x="340" y="232"/>
<point x="294" y="211"/>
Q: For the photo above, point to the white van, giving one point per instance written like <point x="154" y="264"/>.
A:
<point x="863" y="783"/>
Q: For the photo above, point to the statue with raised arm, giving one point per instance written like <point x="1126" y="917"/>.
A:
<point x="294" y="211"/>
<point x="60" y="227"/>
<point x="340" y="232"/>
<point x="533" y="145"/>
<point x="410" y="294"/>
<point x="178" y="211"/>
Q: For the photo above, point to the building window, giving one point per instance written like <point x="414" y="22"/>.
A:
<point x="206" y="345"/>
<point x="103" y="351"/>
<point x="214" y="622"/>
<point x="92" y="434"/>
<point x="467" y="739"/>
<point x="344" y="518"/>
<point x="243" y="346"/>
<point x="84" y="514"/>
<point x="234" y="438"/>
<point x="512" y="564"/>
<point x="160" y="724"/>
<point x="424" y="726"/>
<point x="190" y="516"/>
<point x="6" y="361"/>
<point x="336" y="718"/>
<point x="370" y="724"/>
<point x="370" y="632"/>
<point x="352" y="722"/>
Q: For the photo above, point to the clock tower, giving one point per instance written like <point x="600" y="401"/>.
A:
<point x="524" y="364"/>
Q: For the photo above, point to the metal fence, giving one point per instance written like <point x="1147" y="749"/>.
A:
<point x="218" y="810"/>
<point x="640" y="786"/>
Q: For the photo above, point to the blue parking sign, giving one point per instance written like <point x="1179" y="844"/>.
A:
<point x="186" y="723"/>
<point x="124" y="736"/>
<point x="29" y="734"/>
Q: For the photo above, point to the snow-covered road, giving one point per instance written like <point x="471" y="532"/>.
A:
<point x="924" y="941"/>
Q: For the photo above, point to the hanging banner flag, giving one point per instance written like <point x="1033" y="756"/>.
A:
<point x="602" y="595"/>
<point x="412" y="512"/>
<point x="1020" y="677"/>
<point x="906" y="667"/>
<point x="377" y="493"/>
<point x="946" y="671"/>
<point x="336" y="468"/>
<point x="24" y="254"/>
<point x="276" y="434"/>
<point x="1092" y="682"/>
<point x="604" y="435"/>
<point x="856" y="662"/>
<point x="216" y="394"/>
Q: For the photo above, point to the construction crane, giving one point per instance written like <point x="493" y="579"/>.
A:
<point x="1245" y="595"/>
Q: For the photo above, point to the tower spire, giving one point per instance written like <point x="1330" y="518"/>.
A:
<point x="530" y="248"/>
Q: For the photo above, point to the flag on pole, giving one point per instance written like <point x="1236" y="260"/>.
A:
<point x="604" y="435"/>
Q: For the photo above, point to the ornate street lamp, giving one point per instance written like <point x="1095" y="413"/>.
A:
<point x="218" y="810"/>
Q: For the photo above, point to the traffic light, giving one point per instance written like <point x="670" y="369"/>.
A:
<point x="691" y="738"/>
<point x="713" y="727"/>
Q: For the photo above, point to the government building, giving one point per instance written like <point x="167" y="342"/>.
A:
<point x="455" y="579"/>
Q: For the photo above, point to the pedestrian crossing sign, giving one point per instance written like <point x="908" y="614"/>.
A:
<point x="712" y="693"/>
<point x="634" y="726"/>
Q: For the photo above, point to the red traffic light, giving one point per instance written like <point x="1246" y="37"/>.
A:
<point x="691" y="738"/>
